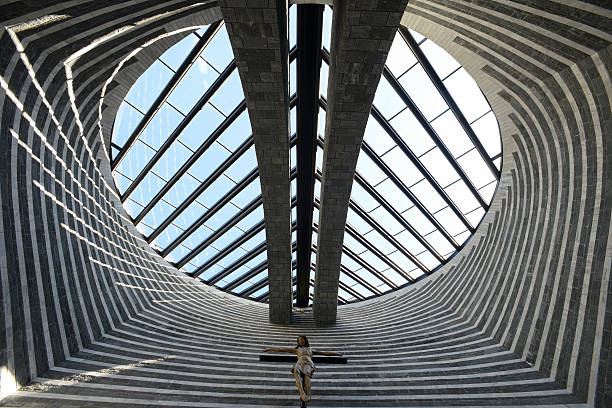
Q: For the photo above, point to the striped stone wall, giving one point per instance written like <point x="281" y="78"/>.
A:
<point x="92" y="317"/>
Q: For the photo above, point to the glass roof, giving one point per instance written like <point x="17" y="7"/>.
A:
<point x="184" y="163"/>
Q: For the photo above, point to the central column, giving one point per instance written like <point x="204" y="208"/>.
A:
<point x="309" y="34"/>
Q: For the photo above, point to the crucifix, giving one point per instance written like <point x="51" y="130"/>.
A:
<point x="304" y="367"/>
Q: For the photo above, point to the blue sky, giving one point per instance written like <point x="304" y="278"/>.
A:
<point x="400" y="210"/>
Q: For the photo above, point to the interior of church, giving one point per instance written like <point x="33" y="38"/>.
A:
<point x="386" y="203"/>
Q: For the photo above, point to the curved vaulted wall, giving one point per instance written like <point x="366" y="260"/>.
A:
<point x="92" y="314"/>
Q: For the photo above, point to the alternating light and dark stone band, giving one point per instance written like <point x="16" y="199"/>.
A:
<point x="520" y="317"/>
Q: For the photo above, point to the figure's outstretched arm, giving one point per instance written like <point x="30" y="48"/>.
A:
<point x="281" y="349"/>
<point x="326" y="353"/>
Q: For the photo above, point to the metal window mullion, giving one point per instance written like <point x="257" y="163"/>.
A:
<point x="377" y="252"/>
<point x="257" y="228"/>
<point x="433" y="75"/>
<point x="254" y="288"/>
<point x="360" y="280"/>
<point x="210" y="92"/>
<point x="189" y="60"/>
<point x="252" y="176"/>
<point x="395" y="214"/>
<point x="375" y="225"/>
<point x="260" y="226"/>
<point x="239" y="262"/>
<point x="417" y="163"/>
<point x="257" y="269"/>
<point x="252" y="206"/>
<point x="204" y="217"/>
<point x="199" y="190"/>
<point x="350" y="290"/>
<point x="385" y="234"/>
<point x="401" y="92"/>
<point x="400" y="185"/>
<point x="365" y="264"/>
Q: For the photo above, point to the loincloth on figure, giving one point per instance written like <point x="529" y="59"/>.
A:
<point x="304" y="368"/>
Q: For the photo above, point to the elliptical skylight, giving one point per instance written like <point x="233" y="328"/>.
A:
<point x="185" y="166"/>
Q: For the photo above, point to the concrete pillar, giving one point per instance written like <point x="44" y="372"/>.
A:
<point x="362" y="33"/>
<point x="258" y="33"/>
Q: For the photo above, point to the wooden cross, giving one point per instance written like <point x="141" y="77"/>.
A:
<point x="276" y="358"/>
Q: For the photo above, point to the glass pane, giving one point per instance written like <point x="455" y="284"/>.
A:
<point x="403" y="167"/>
<point x="125" y="122"/>
<point x="369" y="170"/>
<point x="229" y="94"/>
<point x="377" y="138"/>
<point x="423" y="92"/>
<point x="487" y="130"/>
<point x="466" y="94"/>
<point x="191" y="88"/>
<point x="439" y="167"/>
<point x="452" y="134"/>
<point x="216" y="52"/>
<point x="412" y="133"/>
<point x="442" y="62"/>
<point x="400" y="57"/>
<point x="387" y="100"/>
<point x="476" y="169"/>
<point x="176" y="54"/>
<point x="148" y="86"/>
<point x="394" y="196"/>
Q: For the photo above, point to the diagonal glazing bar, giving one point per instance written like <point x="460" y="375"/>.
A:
<point x="239" y="262"/>
<point x="360" y="280"/>
<point x="192" y="197"/>
<point x="259" y="285"/>
<point x="309" y="34"/>
<point x="370" y="247"/>
<point x="265" y="296"/>
<point x="374" y="224"/>
<point x="399" y="184"/>
<point x="367" y="266"/>
<point x="252" y="206"/>
<point x="433" y="75"/>
<point x="257" y="269"/>
<point x="364" y="264"/>
<point x="246" y="145"/>
<point x="385" y="204"/>
<point x="189" y="60"/>
<point x="401" y="92"/>
<point x="417" y="163"/>
<point x="257" y="228"/>
<point x="248" y="179"/>
<point x="248" y="256"/>
<point x="385" y="234"/>
<point x="350" y="291"/>
<point x="210" y="92"/>
<point x="254" y="230"/>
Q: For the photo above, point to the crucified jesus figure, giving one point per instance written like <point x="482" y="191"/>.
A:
<point x="304" y="368"/>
